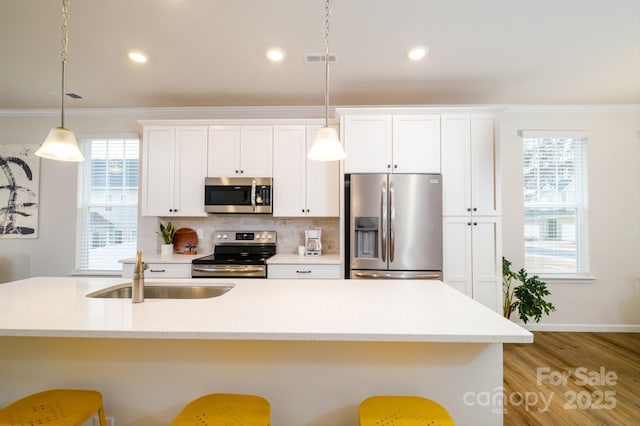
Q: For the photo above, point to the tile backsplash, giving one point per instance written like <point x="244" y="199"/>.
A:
<point x="290" y="231"/>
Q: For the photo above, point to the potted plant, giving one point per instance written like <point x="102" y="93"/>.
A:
<point x="166" y="233"/>
<point x="525" y="293"/>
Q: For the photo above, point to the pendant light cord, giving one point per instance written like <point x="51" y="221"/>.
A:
<point x="327" y="11"/>
<point x="65" y="45"/>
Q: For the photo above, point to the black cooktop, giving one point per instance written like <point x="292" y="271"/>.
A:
<point x="236" y="255"/>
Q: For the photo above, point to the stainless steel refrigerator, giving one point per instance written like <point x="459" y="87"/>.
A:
<point x="394" y="227"/>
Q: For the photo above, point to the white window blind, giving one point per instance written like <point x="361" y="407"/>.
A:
<point x="107" y="204"/>
<point x="556" y="231"/>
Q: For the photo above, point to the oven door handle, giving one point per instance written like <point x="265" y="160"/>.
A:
<point x="228" y="268"/>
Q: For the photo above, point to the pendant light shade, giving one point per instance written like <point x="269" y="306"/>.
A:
<point x="61" y="143"/>
<point x="326" y="146"/>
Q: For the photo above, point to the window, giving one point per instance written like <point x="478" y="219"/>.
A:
<point x="556" y="236"/>
<point x="107" y="204"/>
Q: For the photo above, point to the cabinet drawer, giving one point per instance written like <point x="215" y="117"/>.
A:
<point x="304" y="271"/>
<point x="160" y="270"/>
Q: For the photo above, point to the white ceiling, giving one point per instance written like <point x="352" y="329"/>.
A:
<point x="211" y="52"/>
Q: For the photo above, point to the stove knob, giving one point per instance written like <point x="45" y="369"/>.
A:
<point x="269" y="236"/>
<point x="224" y="236"/>
<point x="218" y="236"/>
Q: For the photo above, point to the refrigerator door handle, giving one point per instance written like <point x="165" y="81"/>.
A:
<point x="392" y="214"/>
<point x="383" y="220"/>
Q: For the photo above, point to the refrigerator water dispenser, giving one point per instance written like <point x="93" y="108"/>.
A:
<point x="366" y="237"/>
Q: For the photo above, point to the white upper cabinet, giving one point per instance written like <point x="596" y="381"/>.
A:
<point x="416" y="144"/>
<point x="367" y="143"/>
<point x="392" y="143"/>
<point x="469" y="165"/>
<point x="240" y="151"/>
<point x="322" y="183"/>
<point x="174" y="166"/>
<point x="302" y="187"/>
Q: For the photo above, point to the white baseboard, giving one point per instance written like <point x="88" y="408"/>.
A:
<point x="599" y="328"/>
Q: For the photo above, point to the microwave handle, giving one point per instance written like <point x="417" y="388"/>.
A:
<point x="253" y="194"/>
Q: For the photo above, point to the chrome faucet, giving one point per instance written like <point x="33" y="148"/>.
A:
<point x="137" y="287"/>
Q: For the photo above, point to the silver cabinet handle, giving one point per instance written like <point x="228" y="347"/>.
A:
<point x="157" y="270"/>
<point x="384" y="276"/>
<point x="303" y="272"/>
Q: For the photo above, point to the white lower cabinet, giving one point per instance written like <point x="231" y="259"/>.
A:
<point x="160" y="270"/>
<point x="473" y="258"/>
<point x="304" y="271"/>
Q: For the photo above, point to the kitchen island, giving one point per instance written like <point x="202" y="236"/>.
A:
<point x="313" y="348"/>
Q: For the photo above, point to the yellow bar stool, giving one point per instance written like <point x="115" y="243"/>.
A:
<point x="225" y="409"/>
<point x="402" y="411"/>
<point x="58" y="407"/>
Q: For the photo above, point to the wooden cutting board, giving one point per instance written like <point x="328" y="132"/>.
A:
<point x="185" y="241"/>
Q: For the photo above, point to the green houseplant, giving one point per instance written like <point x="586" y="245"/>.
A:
<point x="166" y="233"/>
<point x="525" y="293"/>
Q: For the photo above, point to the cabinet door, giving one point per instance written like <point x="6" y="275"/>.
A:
<point x="256" y="151"/>
<point x="224" y="151"/>
<point x="487" y="262"/>
<point x="367" y="142"/>
<point x="289" y="151"/>
<point x="416" y="144"/>
<point x="322" y="183"/>
<point x="457" y="260"/>
<point x="473" y="258"/>
<point x="484" y="166"/>
<point x="191" y="169"/>
<point x="456" y="165"/>
<point x="158" y="170"/>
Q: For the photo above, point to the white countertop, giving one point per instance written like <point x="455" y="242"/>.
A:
<point x="165" y="258"/>
<point x="257" y="309"/>
<point x="294" y="259"/>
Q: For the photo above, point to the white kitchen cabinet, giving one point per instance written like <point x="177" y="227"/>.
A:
<point x="174" y="166"/>
<point x="240" y="151"/>
<point x="392" y="143"/>
<point x="302" y="187"/>
<point x="160" y="270"/>
<point x="470" y="165"/>
<point x="304" y="271"/>
<point x="473" y="259"/>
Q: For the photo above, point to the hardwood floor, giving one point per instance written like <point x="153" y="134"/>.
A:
<point x="573" y="379"/>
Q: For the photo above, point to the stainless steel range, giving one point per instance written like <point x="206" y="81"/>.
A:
<point x="237" y="254"/>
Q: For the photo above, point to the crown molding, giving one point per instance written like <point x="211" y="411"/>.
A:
<point x="272" y="112"/>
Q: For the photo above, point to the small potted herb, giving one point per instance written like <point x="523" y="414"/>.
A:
<point x="526" y="294"/>
<point x="166" y="233"/>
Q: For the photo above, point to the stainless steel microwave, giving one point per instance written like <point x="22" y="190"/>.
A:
<point x="238" y="195"/>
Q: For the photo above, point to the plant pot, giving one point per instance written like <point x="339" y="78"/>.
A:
<point x="166" y="249"/>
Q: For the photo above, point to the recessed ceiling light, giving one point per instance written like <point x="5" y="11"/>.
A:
<point x="276" y="54"/>
<point x="417" y="53"/>
<point x="138" y="57"/>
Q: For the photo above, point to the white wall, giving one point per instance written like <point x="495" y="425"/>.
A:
<point x="613" y="298"/>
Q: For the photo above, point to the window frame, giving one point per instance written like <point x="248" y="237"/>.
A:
<point x="84" y="188"/>
<point x="583" y="273"/>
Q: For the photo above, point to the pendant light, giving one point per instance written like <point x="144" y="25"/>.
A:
<point x="326" y="146"/>
<point x="61" y="143"/>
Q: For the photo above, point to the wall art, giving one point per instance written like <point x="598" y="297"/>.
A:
<point x="19" y="191"/>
